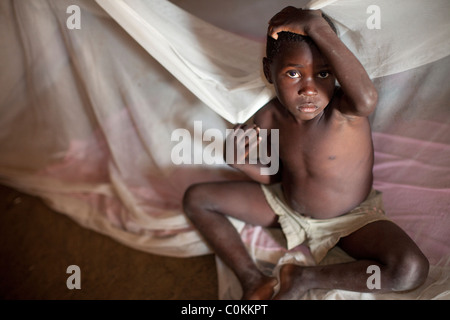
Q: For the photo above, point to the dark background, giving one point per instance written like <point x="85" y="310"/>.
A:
<point x="37" y="245"/>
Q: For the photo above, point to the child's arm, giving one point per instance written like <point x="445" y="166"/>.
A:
<point x="359" y="96"/>
<point x="246" y="138"/>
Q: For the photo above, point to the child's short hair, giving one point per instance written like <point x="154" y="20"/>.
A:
<point x="273" y="45"/>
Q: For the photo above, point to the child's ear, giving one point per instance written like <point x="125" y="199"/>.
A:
<point x="266" y="68"/>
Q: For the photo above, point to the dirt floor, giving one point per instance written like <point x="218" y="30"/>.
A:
<point x="37" y="245"/>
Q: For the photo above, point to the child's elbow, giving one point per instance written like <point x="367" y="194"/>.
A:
<point x="368" y="102"/>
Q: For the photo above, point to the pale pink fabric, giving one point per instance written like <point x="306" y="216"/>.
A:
<point x="86" y="118"/>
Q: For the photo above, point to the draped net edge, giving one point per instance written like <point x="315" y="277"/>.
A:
<point x="87" y="118"/>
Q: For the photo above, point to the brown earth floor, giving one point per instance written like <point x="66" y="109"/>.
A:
<point x="37" y="245"/>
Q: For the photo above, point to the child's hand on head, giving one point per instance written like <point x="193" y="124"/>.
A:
<point x="293" y="20"/>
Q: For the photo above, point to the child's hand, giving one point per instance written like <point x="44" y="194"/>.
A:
<point x="293" y="20"/>
<point x="242" y="141"/>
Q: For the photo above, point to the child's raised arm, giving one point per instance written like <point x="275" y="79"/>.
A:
<point x="359" y="96"/>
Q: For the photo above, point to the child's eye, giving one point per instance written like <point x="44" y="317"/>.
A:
<point x="323" y="74"/>
<point x="293" y="74"/>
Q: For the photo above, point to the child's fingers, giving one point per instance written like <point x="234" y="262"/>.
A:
<point x="246" y="133"/>
<point x="250" y="147"/>
<point x="290" y="19"/>
<point x="238" y="131"/>
<point x="283" y="14"/>
<point x="247" y="139"/>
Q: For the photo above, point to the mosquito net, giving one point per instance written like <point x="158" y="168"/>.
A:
<point x="88" y="113"/>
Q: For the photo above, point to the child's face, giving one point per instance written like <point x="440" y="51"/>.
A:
<point x="302" y="79"/>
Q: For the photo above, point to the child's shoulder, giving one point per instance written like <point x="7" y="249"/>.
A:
<point x="264" y="117"/>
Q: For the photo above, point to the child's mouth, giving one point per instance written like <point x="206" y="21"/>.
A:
<point x="307" y="107"/>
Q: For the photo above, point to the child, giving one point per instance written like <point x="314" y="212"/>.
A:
<point x="322" y="195"/>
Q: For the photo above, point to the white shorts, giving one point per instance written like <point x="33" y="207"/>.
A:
<point x="320" y="235"/>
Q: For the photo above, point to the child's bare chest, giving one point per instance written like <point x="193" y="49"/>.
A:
<point x="323" y="149"/>
<point x="316" y="144"/>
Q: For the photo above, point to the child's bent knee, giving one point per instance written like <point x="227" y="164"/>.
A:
<point x="410" y="272"/>
<point x="197" y="199"/>
<point x="419" y="267"/>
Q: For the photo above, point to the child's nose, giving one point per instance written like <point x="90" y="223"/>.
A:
<point x="307" y="88"/>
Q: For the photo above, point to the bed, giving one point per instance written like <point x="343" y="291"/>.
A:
<point x="88" y="113"/>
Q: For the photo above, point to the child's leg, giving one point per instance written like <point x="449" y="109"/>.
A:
<point x="207" y="206"/>
<point x="402" y="266"/>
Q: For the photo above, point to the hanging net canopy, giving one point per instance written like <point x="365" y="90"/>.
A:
<point x="224" y="69"/>
<point x="88" y="115"/>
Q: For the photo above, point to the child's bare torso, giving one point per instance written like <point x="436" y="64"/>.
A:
<point x="326" y="163"/>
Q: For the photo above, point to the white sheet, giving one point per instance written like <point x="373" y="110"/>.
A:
<point x="223" y="70"/>
<point x="87" y="116"/>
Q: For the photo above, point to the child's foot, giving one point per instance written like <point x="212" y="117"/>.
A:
<point x="260" y="290"/>
<point x="292" y="287"/>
